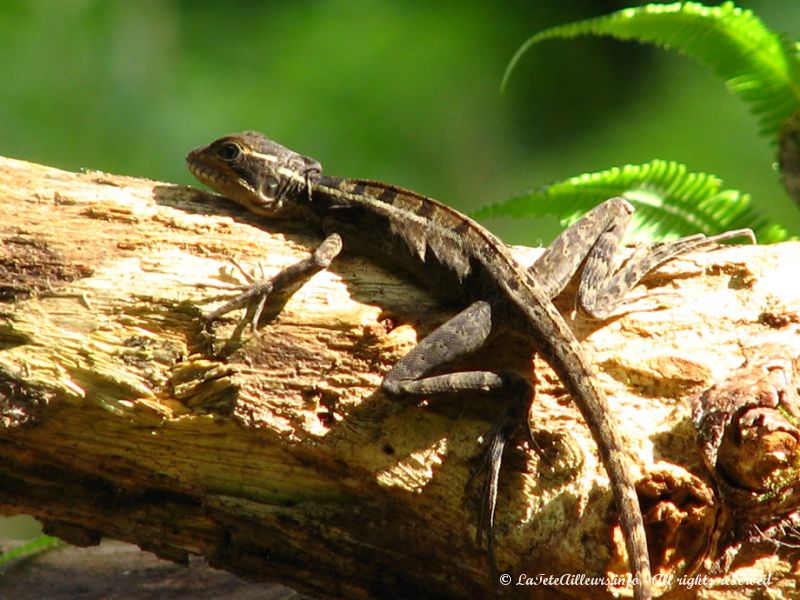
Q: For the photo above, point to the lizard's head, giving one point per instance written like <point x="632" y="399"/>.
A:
<point x="256" y="172"/>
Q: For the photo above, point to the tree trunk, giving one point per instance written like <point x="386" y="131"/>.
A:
<point x="275" y="456"/>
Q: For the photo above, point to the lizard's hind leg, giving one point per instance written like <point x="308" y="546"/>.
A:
<point x="461" y="336"/>
<point x="605" y="280"/>
<point x="592" y="244"/>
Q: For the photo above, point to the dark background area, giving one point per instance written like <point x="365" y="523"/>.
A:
<point x="405" y="92"/>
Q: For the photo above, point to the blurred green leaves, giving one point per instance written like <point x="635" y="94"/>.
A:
<point x="670" y="202"/>
<point x="757" y="65"/>
<point x="35" y="546"/>
<point x="405" y="92"/>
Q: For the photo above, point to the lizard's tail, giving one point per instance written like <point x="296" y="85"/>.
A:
<point x="567" y="360"/>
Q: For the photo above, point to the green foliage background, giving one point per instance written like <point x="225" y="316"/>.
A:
<point x="406" y="92"/>
<point x="402" y="91"/>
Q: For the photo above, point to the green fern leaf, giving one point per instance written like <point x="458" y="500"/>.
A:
<point x="670" y="202"/>
<point x="757" y="65"/>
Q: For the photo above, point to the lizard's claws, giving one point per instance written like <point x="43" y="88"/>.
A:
<point x="255" y="298"/>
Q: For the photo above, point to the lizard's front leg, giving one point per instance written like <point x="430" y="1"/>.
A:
<point x="593" y="242"/>
<point x="462" y="335"/>
<point x="256" y="296"/>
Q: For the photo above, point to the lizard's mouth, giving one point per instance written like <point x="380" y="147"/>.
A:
<point x="222" y="179"/>
<point x="217" y="177"/>
<point x="200" y="169"/>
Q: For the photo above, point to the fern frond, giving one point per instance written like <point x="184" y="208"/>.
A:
<point x="759" y="66"/>
<point x="670" y="201"/>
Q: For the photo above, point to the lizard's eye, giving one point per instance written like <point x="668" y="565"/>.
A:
<point x="229" y="151"/>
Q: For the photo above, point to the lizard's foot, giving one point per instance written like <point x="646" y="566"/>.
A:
<point x="254" y="297"/>
<point x="496" y="440"/>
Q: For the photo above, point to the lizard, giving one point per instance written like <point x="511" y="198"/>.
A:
<point x="438" y="244"/>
